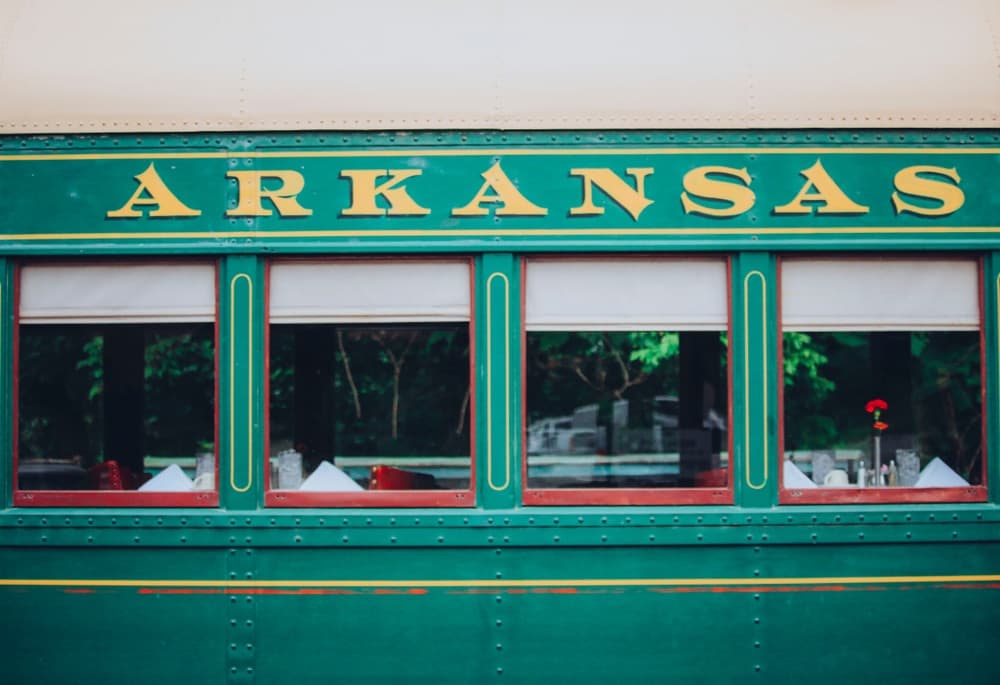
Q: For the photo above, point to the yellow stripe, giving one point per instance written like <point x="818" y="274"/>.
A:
<point x="509" y="152"/>
<point x="489" y="381"/>
<point x="491" y="232"/>
<point x="232" y="383"/>
<point x="491" y="583"/>
<point x="746" y="367"/>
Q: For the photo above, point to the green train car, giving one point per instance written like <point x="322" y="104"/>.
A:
<point x="529" y="344"/>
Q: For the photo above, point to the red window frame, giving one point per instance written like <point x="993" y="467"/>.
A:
<point x="626" y="496"/>
<point x="109" y="498"/>
<point x="370" y="498"/>
<point x="882" y="495"/>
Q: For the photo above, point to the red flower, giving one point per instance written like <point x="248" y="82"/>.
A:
<point x="876" y="404"/>
<point x="880" y="425"/>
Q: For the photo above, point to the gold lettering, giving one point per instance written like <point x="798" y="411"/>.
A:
<point x="819" y="187"/>
<point x="251" y="191"/>
<point x="364" y="192"/>
<point x="152" y="191"/>
<point x="698" y="183"/>
<point x="910" y="181"/>
<point x="632" y="200"/>
<point x="505" y="192"/>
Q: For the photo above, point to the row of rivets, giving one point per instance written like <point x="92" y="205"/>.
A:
<point x="161" y="521"/>
<point x="602" y="537"/>
<point x="528" y="138"/>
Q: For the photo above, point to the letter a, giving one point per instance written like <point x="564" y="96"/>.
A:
<point x="512" y="202"/>
<point x="152" y="191"/>
<point x="820" y="188"/>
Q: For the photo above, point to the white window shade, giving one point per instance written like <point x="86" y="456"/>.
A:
<point x="873" y="295"/>
<point x="116" y="293"/>
<point x="346" y="292"/>
<point x="626" y="295"/>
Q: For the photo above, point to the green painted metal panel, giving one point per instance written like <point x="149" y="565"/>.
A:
<point x="530" y="614"/>
<point x="241" y="382"/>
<point x="77" y="181"/>
<point x="743" y="593"/>
<point x="71" y="634"/>
<point x="499" y="453"/>
<point x="991" y="348"/>
<point x="6" y="381"/>
<point x="754" y="358"/>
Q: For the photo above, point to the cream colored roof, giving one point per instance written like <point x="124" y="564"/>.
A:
<point x="193" y="65"/>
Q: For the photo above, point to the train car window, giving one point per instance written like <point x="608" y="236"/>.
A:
<point x="626" y="382"/>
<point x="370" y="394"/>
<point x="883" y="380"/>
<point x="116" y="384"/>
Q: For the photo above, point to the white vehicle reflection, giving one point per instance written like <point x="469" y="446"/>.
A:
<point x="575" y="434"/>
<point x="580" y="433"/>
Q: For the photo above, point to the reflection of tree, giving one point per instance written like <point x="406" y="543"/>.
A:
<point x="947" y="397"/>
<point x="401" y="389"/>
<point x="829" y="376"/>
<point x="396" y="354"/>
<point x="611" y="365"/>
<point x="604" y="361"/>
<point x="62" y="390"/>
<point x="345" y="358"/>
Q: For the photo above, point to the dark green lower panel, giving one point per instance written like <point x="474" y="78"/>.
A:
<point x="906" y="613"/>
